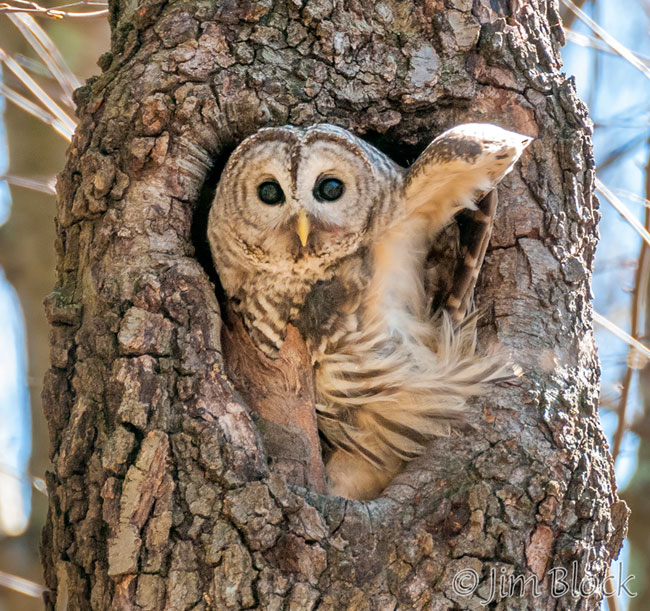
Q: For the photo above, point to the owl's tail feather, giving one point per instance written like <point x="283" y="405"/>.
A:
<point x="382" y="397"/>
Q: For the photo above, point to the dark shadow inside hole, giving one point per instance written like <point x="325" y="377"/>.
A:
<point x="199" y="231"/>
<point x="402" y="154"/>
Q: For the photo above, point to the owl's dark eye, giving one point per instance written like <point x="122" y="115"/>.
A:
<point x="328" y="189"/>
<point x="270" y="192"/>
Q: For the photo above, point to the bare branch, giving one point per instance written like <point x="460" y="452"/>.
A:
<point x="616" y="330"/>
<point x="633" y="197"/>
<point x="37" y="90"/>
<point x="36" y="111"/>
<point x="22" y="6"/>
<point x="19" y="584"/>
<point x="594" y="42"/>
<point x="639" y="295"/>
<point x="621" y="151"/>
<point x="40" y="185"/>
<point x="623" y="210"/>
<point x="619" y="48"/>
<point x="567" y="16"/>
<point x="48" y="52"/>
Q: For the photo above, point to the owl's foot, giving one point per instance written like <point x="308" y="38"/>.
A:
<point x="353" y="477"/>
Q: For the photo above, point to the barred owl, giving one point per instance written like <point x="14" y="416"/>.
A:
<point x="316" y="228"/>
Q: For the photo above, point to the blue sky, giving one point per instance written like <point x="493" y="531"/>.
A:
<point x="15" y="432"/>
<point x="619" y="99"/>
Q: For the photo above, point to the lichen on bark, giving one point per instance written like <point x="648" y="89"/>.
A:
<point x="160" y="493"/>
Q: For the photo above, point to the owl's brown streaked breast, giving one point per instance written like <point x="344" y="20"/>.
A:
<point x="322" y="304"/>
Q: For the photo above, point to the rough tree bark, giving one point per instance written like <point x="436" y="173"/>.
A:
<point x="160" y="495"/>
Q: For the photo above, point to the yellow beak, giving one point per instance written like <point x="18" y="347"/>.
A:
<point x="302" y="227"/>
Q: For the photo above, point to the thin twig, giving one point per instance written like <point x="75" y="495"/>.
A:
<point x="36" y="111"/>
<point x="610" y="593"/>
<point x="632" y="197"/>
<point x="37" y="90"/>
<point x="616" y="330"/>
<point x="33" y="65"/>
<point x="568" y="17"/>
<point x="619" y="48"/>
<point x="42" y="186"/>
<point x="22" y="6"/>
<point x="638" y="306"/>
<point x="621" y="151"/>
<point x="623" y="211"/>
<point x="19" y="584"/>
<point x="48" y="52"/>
<point x="594" y="79"/>
<point x="594" y="42"/>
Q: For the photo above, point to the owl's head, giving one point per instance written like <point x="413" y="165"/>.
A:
<point x="290" y="194"/>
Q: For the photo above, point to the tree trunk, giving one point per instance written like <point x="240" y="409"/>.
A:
<point x="160" y="496"/>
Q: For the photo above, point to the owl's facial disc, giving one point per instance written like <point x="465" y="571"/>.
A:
<point x="288" y="195"/>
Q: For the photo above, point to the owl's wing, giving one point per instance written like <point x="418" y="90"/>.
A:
<point x="455" y="258"/>
<point x="475" y="229"/>
<point x="454" y="172"/>
<point x="406" y="376"/>
<point x="458" y="167"/>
